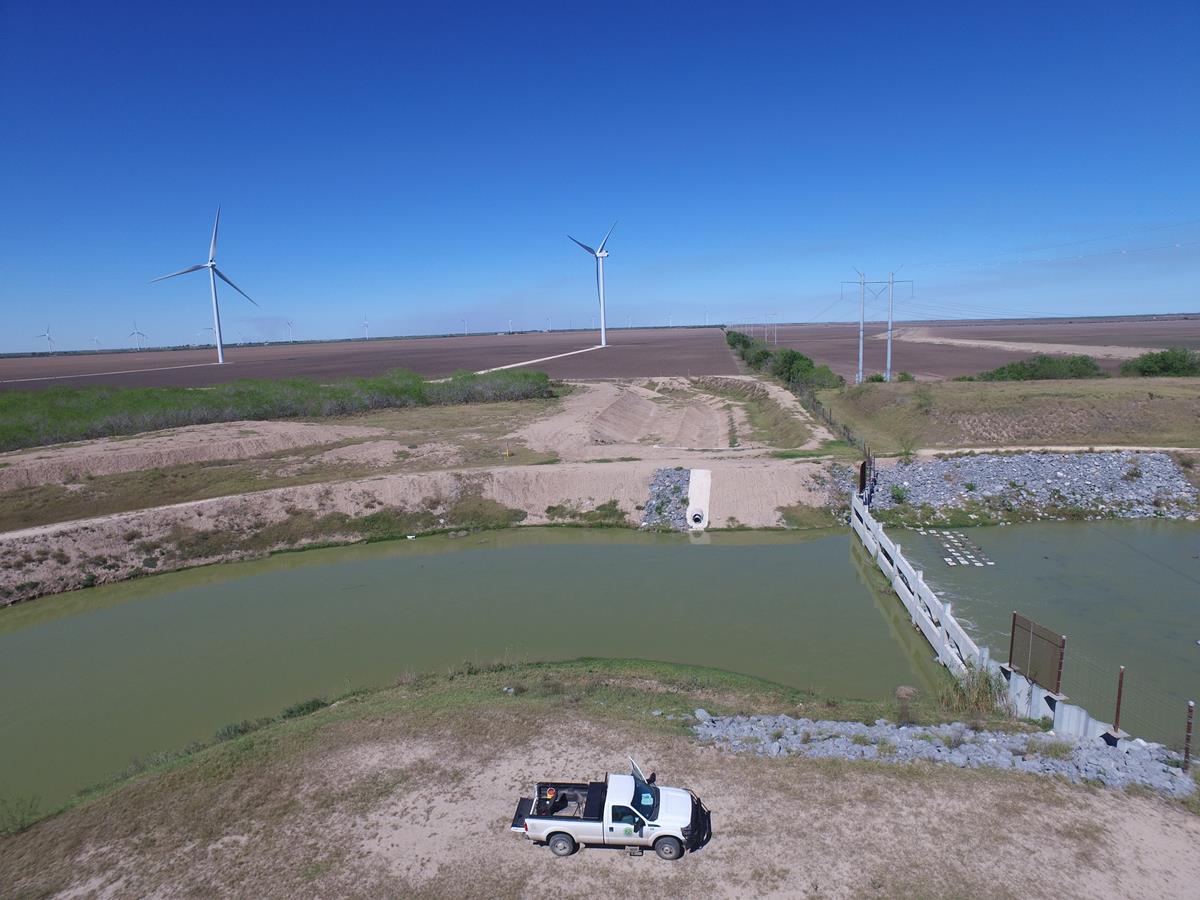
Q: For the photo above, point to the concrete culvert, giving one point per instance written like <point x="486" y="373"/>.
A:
<point x="698" y="518"/>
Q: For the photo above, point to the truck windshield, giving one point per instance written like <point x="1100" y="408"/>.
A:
<point x="645" y="799"/>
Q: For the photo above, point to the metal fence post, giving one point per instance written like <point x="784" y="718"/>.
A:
<point x="1012" y="637"/>
<point x="1120" y="690"/>
<point x="1187" y="737"/>
<point x="1062" y="652"/>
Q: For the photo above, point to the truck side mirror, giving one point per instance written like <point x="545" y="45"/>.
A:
<point x="653" y="776"/>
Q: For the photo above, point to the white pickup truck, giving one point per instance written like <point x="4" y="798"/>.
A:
<point x="628" y="811"/>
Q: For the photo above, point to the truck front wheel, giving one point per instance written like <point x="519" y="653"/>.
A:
<point x="562" y="844"/>
<point x="668" y="848"/>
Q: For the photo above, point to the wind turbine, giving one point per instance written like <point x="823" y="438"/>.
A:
<point x="96" y="341"/>
<point x="291" y="331"/>
<point x="204" y="329"/>
<point x="49" y="340"/>
<point x="601" y="254"/>
<point x="136" y="335"/>
<point x="213" y="274"/>
<point x="366" y="329"/>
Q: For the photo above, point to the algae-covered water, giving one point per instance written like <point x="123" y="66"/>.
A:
<point x="96" y="678"/>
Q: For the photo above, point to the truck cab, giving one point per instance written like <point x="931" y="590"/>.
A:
<point x="628" y="811"/>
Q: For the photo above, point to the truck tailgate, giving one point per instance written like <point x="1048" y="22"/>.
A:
<point x="524" y="805"/>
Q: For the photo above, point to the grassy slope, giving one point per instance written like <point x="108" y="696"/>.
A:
<point x="605" y="689"/>
<point x="896" y="418"/>
<point x="474" y="432"/>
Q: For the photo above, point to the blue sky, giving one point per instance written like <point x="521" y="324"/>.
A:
<point x="422" y="164"/>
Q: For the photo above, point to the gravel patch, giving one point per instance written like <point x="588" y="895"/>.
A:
<point x="1118" y="485"/>
<point x="667" y="506"/>
<point x="1132" y="762"/>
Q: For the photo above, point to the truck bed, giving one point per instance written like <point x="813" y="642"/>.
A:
<point x="572" y="800"/>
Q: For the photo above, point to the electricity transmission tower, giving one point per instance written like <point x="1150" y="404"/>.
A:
<point x="863" y="286"/>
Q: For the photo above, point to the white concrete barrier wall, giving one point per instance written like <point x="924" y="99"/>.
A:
<point x="951" y="644"/>
<point x="699" y="492"/>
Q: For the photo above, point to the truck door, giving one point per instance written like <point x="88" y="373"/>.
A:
<point x="626" y="828"/>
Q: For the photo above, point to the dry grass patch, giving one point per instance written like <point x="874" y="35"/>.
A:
<point x="901" y="417"/>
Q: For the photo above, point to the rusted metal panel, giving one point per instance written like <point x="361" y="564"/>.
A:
<point x="1037" y="652"/>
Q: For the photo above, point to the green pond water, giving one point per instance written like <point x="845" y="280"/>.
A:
<point x="96" y="678"/>
<point x="1123" y="592"/>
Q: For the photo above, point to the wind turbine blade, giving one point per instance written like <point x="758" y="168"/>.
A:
<point x="221" y="275"/>
<point x="212" y="248"/>
<point x="180" y="272"/>
<point x="584" y="246"/>
<point x="605" y="241"/>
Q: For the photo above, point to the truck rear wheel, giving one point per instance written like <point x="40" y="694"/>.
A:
<point x="562" y="844"/>
<point x="668" y="848"/>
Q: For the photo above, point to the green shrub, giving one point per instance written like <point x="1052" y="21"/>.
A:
<point x="875" y="378"/>
<point x="737" y="340"/>
<point x="304" y="708"/>
<point x="1051" y="749"/>
<point x="237" y="729"/>
<point x="18" y="813"/>
<point x="60" y="414"/>
<point x="1043" y="367"/>
<point x="1172" y="361"/>
<point x="905" y="376"/>
<point x="899" y="493"/>
<point x="791" y="366"/>
<point x="757" y="358"/>
<point x="976" y="691"/>
<point x="824" y="377"/>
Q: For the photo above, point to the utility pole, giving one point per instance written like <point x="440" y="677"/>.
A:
<point x="862" y="322"/>
<point x="862" y="317"/>
<point x="887" y="372"/>
<point x="887" y="376"/>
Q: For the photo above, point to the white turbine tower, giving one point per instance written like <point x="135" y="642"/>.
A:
<point x="366" y="329"/>
<point x="213" y="274"/>
<point x="291" y="331"/>
<point x="601" y="254"/>
<point x="136" y="335"/>
<point x="49" y="340"/>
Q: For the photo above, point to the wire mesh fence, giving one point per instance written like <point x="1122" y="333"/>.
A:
<point x="1141" y="709"/>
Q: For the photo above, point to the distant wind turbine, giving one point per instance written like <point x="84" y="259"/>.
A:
<point x="49" y="340"/>
<point x="291" y="331"/>
<point x="204" y="329"/>
<point x="366" y="329"/>
<point x="136" y="335"/>
<point x="601" y="254"/>
<point x="213" y="274"/>
<point x="96" y="341"/>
